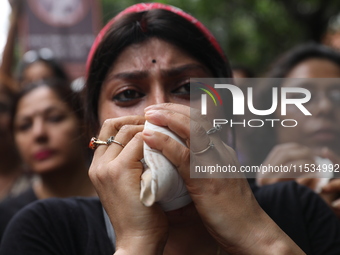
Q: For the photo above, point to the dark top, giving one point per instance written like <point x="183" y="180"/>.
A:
<point x="76" y="225"/>
<point x="11" y="205"/>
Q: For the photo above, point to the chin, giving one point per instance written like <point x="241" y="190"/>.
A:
<point x="47" y="167"/>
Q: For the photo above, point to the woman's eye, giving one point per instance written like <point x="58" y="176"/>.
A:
<point x="183" y="90"/>
<point x="334" y="95"/>
<point x="55" y="118"/>
<point x="128" y="95"/>
<point x="23" y="127"/>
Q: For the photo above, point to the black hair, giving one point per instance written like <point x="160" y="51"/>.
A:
<point x="138" y="27"/>
<point x="44" y="56"/>
<point x="62" y="90"/>
<point x="282" y="67"/>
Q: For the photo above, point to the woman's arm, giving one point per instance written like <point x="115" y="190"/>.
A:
<point x="7" y="63"/>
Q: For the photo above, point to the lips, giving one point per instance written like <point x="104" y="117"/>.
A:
<point x="325" y="135"/>
<point x="43" y="154"/>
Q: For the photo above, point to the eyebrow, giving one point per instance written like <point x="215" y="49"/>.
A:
<point x="48" y="110"/>
<point x="135" y="75"/>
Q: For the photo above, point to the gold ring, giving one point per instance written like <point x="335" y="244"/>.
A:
<point x="95" y="142"/>
<point x="211" y="145"/>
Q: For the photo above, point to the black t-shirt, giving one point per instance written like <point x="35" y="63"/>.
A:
<point x="76" y="225"/>
<point x="58" y="226"/>
<point x="303" y="215"/>
<point x="10" y="206"/>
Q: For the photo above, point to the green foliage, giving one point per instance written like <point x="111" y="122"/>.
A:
<point x="252" y="32"/>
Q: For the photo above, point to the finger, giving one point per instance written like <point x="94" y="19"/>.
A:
<point x="177" y="122"/>
<point x="192" y="132"/>
<point x="166" y="145"/>
<point x="328" y="153"/>
<point x="288" y="152"/>
<point x="123" y="137"/>
<point x="129" y="158"/>
<point x="129" y="168"/>
<point x="295" y="152"/>
<point x="185" y="110"/>
<point x="290" y="147"/>
<point x="336" y="204"/>
<point x="111" y="127"/>
<point x="332" y="186"/>
<point x="180" y="109"/>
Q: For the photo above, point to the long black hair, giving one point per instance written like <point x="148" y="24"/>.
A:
<point x="45" y="56"/>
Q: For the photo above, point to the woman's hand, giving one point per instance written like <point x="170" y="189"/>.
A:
<point x="115" y="173"/>
<point x="226" y="206"/>
<point x="288" y="154"/>
<point x="296" y="154"/>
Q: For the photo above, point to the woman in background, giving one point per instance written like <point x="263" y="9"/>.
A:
<point x="48" y="130"/>
<point x="316" y="68"/>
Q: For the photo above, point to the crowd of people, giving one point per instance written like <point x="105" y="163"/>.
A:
<point x="59" y="197"/>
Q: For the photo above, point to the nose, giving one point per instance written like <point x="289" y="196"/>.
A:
<point x="158" y="95"/>
<point x="324" y="106"/>
<point x="39" y="131"/>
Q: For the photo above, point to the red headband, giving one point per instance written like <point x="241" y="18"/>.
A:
<point x="149" y="6"/>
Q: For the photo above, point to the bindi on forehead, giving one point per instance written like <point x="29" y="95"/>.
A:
<point x="154" y="61"/>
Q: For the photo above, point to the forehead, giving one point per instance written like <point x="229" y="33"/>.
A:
<point x="38" y="66"/>
<point x="151" y="55"/>
<point x="37" y="71"/>
<point x="37" y="100"/>
<point x="315" y="68"/>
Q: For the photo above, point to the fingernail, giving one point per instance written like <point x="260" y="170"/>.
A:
<point x="324" y="151"/>
<point x="148" y="132"/>
<point x="149" y="108"/>
<point x="152" y="112"/>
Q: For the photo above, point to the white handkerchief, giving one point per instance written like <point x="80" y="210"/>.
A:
<point x="160" y="180"/>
